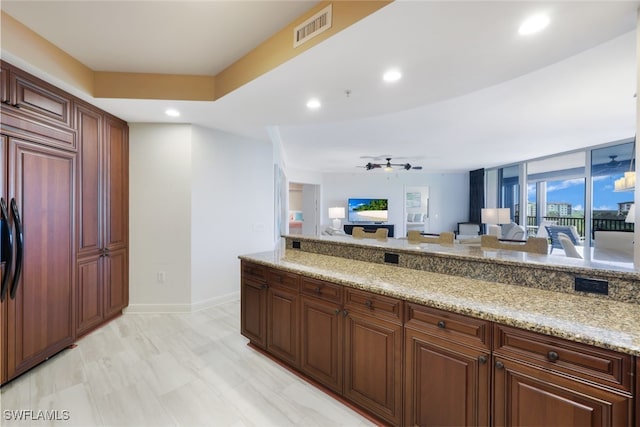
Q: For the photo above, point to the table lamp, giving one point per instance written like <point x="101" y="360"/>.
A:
<point x="494" y="217"/>
<point x="336" y="214"/>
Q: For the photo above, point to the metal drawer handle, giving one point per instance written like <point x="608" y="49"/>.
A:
<point x="317" y="290"/>
<point x="553" y="356"/>
<point x="442" y="324"/>
<point x="499" y="364"/>
<point x="482" y="360"/>
<point x="369" y="304"/>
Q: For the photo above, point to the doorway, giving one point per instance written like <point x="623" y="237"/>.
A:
<point x="303" y="209"/>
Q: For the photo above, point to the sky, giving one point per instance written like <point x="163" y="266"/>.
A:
<point x="572" y="191"/>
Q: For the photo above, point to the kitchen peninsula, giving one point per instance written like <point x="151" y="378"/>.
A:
<point x="434" y="334"/>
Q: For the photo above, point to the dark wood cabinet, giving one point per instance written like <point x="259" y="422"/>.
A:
<point x="4" y="83"/>
<point x="102" y="217"/>
<point x="64" y="165"/>
<point x="283" y="318"/>
<point x="447" y="369"/>
<point x="39" y="306"/>
<point x="253" y="299"/>
<point x="526" y="395"/>
<point x="35" y="98"/>
<point x="373" y="353"/>
<point x="37" y="107"/>
<point x="543" y="380"/>
<point x="322" y="333"/>
<point x="408" y="364"/>
<point x="5" y="266"/>
<point x="637" y="393"/>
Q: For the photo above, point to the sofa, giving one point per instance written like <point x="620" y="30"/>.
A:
<point x="513" y="231"/>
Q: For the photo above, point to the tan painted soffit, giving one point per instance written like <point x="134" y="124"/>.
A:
<point x="279" y="48"/>
<point x="22" y="42"/>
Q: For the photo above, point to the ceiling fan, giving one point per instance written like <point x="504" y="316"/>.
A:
<point x="613" y="162"/>
<point x="389" y="166"/>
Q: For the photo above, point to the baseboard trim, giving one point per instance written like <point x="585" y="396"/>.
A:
<point x="212" y="302"/>
<point x="181" y="308"/>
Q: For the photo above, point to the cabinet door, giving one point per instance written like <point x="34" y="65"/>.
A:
<point x="253" y="312"/>
<point x="373" y="365"/>
<point x="282" y="324"/>
<point x="321" y="336"/>
<point x="90" y="301"/>
<point x="116" y="190"/>
<point x="446" y="384"/>
<point x="116" y="288"/>
<point x="90" y="193"/>
<point x="524" y="395"/>
<point x="4" y="84"/>
<point x="40" y="317"/>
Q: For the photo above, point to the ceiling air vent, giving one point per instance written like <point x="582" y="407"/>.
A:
<point x="313" y="26"/>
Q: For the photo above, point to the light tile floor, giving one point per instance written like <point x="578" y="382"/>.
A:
<point x="168" y="370"/>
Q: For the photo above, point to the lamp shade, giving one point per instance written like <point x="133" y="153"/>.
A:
<point x="496" y="216"/>
<point x="337" y="212"/>
<point x="631" y="215"/>
<point x="626" y="183"/>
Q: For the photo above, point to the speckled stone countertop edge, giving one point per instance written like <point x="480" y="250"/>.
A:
<point x="567" y="328"/>
<point x="530" y="263"/>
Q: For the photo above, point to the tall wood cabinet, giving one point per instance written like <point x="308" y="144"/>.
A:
<point x="63" y="184"/>
<point x="102" y="217"/>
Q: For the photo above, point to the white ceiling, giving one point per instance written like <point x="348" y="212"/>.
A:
<point x="474" y="93"/>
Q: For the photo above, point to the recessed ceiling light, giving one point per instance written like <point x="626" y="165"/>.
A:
<point x="533" y="24"/>
<point x="392" y="76"/>
<point x="313" y="104"/>
<point x="173" y="113"/>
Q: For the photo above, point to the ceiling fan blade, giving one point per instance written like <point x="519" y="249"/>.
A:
<point x="416" y="167"/>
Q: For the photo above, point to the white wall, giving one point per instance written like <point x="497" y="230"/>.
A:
<point x="159" y="216"/>
<point x="232" y="210"/>
<point x="448" y="195"/>
<point x="198" y="199"/>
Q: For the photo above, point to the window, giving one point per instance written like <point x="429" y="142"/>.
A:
<point x="609" y="207"/>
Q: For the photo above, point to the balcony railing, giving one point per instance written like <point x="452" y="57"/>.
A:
<point x="597" y="224"/>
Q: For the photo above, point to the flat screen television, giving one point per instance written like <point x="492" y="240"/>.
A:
<point x="368" y="210"/>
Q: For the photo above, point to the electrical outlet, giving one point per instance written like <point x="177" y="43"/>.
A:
<point x="594" y="286"/>
<point x="161" y="277"/>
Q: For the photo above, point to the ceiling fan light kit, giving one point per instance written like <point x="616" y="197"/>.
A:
<point x="388" y="167"/>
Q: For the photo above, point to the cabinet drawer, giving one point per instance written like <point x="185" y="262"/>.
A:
<point x="321" y="289"/>
<point x="590" y="363"/>
<point x="450" y="326"/>
<point x="283" y="279"/>
<point x="254" y="271"/>
<point x="379" y="305"/>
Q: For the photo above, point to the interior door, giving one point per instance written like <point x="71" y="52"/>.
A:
<point x="310" y="204"/>
<point x="39" y="306"/>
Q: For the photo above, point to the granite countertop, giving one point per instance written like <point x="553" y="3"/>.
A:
<point x="599" y="322"/>
<point x="476" y="253"/>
